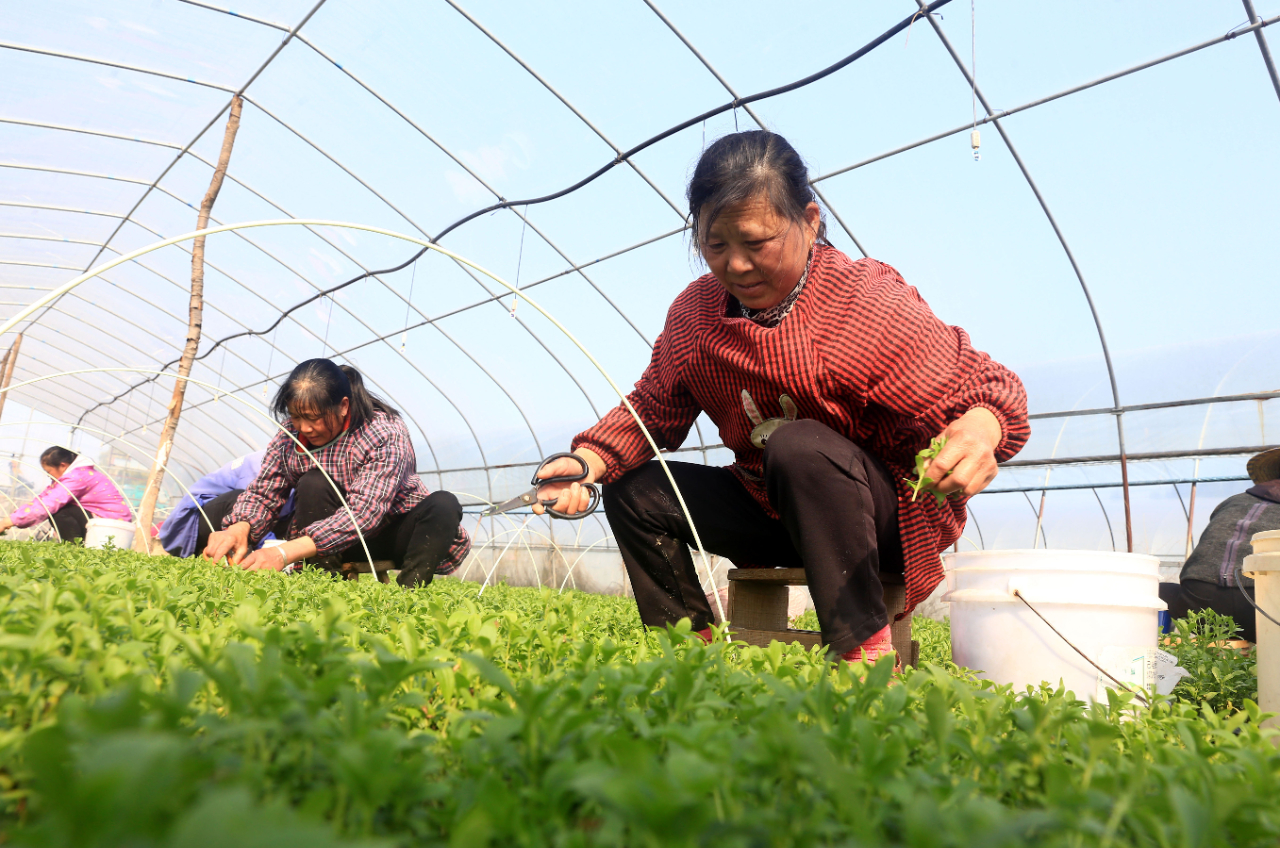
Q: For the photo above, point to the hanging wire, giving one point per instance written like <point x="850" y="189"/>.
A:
<point x="275" y="334"/>
<point x="1239" y="575"/>
<point x="328" y="322"/>
<point x="408" y="306"/>
<point x="221" y="368"/>
<point x="128" y="411"/>
<point x="973" y="59"/>
<point x="975" y="137"/>
<point x="515" y="299"/>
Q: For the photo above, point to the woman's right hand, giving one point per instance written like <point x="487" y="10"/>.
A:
<point x="571" y="498"/>
<point x="232" y="543"/>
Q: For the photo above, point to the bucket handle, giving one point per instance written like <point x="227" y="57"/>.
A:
<point x="1017" y="593"/>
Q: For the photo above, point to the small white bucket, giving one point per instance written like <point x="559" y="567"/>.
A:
<point x="1096" y="599"/>
<point x="98" y="530"/>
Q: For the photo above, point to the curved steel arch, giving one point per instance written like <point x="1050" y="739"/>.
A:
<point x="22" y="122"/>
<point x="46" y="169"/>
<point x="34" y="237"/>
<point x="227" y="315"/>
<point x="109" y="333"/>
<point x="54" y="401"/>
<point x="301" y="325"/>
<point x="239" y="92"/>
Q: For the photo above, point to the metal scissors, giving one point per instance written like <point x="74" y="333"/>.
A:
<point x="530" y="497"/>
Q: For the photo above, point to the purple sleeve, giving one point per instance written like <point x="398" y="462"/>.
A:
<point x="55" y="497"/>
<point x="260" y="503"/>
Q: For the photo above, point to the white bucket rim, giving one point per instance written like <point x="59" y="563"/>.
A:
<point x="1133" y="571"/>
<point x="950" y="559"/>
<point x="111" y="522"/>
<point x="993" y="596"/>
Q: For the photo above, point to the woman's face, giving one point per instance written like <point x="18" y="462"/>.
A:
<point x="320" y="428"/>
<point x="757" y="254"/>
<point x="56" y="471"/>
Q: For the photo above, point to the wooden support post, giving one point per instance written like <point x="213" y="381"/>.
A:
<point x="1191" y="520"/>
<point x="10" y="359"/>
<point x="146" y="512"/>
<point x="4" y="366"/>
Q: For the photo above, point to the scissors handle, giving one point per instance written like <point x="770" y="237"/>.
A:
<point x="594" y="492"/>
<point x="560" y="478"/>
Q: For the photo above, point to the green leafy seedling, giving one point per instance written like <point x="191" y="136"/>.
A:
<point x="924" y="481"/>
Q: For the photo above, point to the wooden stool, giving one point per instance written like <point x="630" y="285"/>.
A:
<point x="758" y="609"/>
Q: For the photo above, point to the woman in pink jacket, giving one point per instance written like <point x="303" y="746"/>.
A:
<point x="79" y="491"/>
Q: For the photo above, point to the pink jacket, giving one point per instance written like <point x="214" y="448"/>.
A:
<point x="96" y="494"/>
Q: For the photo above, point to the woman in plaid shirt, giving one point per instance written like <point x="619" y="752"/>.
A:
<point x="363" y="445"/>
<point x="824" y="376"/>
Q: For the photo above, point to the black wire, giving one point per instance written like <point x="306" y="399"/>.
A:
<point x="505" y="204"/>
<point x="1248" y="597"/>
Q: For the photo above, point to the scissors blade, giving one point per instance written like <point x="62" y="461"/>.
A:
<point x="527" y="499"/>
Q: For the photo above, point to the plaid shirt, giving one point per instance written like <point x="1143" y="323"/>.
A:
<point x="860" y="352"/>
<point x="373" y="465"/>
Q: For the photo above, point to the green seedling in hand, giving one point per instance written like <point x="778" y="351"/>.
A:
<point x="924" y="481"/>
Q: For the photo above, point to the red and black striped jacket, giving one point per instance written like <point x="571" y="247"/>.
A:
<point x="860" y="352"/>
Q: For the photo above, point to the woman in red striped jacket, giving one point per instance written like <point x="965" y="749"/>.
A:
<point x="824" y="376"/>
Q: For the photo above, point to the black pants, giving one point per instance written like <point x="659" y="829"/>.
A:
<point x="416" y="541"/>
<point x="1224" y="600"/>
<point x="219" y="508"/>
<point x="839" y="521"/>
<point x="71" y="522"/>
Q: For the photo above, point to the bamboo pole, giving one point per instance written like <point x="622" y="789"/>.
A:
<point x="10" y="359"/>
<point x="4" y="366"/>
<point x="146" y="511"/>
<point x="1191" y="520"/>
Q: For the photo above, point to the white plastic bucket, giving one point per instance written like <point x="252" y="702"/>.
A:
<point x="1096" y="599"/>
<point x="99" y="530"/>
<point x="1263" y="565"/>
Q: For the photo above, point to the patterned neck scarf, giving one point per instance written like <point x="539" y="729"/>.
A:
<point x="773" y="316"/>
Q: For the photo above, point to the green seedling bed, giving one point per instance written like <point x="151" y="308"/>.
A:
<point x="160" y="702"/>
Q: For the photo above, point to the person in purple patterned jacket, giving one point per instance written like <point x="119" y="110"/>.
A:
<point x="363" y="445"/>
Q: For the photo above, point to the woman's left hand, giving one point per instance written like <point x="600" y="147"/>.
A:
<point x="5" y="524"/>
<point x="968" y="463"/>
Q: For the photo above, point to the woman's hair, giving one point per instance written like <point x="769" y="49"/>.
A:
<point x="55" y="457"/>
<point x="319" y="385"/>
<point x="738" y="167"/>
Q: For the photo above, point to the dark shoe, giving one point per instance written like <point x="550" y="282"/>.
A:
<point x="420" y="575"/>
